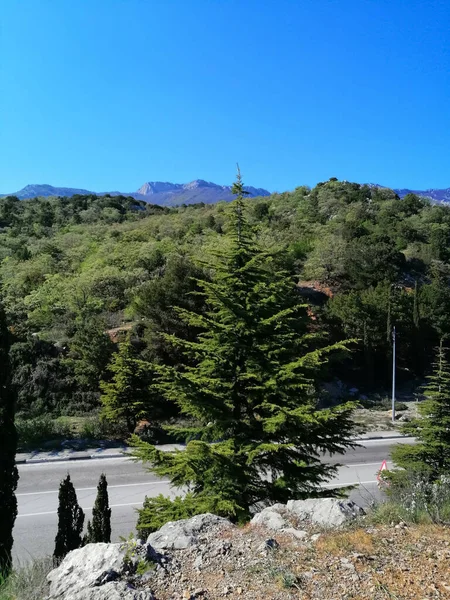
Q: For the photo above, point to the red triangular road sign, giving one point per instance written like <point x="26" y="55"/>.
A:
<point x="382" y="468"/>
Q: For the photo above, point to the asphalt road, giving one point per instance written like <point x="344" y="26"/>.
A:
<point x="129" y="483"/>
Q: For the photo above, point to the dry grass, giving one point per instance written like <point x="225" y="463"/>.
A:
<point x="340" y="544"/>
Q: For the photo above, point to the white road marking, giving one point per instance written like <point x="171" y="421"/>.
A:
<point x="54" y="512"/>
<point x="55" y="463"/>
<point x="349" y="466"/>
<point x="333" y="485"/>
<point x="88" y="489"/>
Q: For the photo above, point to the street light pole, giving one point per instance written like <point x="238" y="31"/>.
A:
<point x="393" y="374"/>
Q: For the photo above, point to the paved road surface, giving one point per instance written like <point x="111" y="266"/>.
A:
<point x="129" y="483"/>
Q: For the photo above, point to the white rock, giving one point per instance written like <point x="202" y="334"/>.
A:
<point x="77" y="577"/>
<point x="271" y="519"/>
<point x="110" y="591"/>
<point x="329" y="512"/>
<point x="82" y="567"/>
<point x="179" y="535"/>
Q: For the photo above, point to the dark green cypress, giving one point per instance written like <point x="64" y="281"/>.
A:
<point x="99" y="530"/>
<point x="70" y="521"/>
<point x="8" y="446"/>
<point x="250" y="383"/>
<point x="416" y="309"/>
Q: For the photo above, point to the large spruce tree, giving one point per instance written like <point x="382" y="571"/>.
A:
<point x="431" y="454"/>
<point x="249" y="383"/>
<point x="8" y="446"/>
<point x="70" y="521"/>
<point x="99" y="530"/>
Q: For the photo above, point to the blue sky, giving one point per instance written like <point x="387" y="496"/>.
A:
<point x="108" y="94"/>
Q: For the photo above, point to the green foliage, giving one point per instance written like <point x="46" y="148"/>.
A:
<point x="89" y="354"/>
<point x="386" y="404"/>
<point x="8" y="444"/>
<point x="159" y="510"/>
<point x="99" y="530"/>
<point x="35" y="432"/>
<point x="158" y="301"/>
<point x="70" y="521"/>
<point x="431" y="454"/>
<point x="28" y="581"/>
<point x="128" y="395"/>
<point x="414" y="497"/>
<point x="39" y="377"/>
<point x="249" y="380"/>
<point x="73" y="268"/>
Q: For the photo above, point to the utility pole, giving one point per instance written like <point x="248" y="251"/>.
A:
<point x="393" y="374"/>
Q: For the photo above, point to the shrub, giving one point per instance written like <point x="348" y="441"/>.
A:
<point x="386" y="404"/>
<point x="28" y="582"/>
<point x="414" y="497"/>
<point x="96" y="428"/>
<point x="33" y="433"/>
<point x="158" y="511"/>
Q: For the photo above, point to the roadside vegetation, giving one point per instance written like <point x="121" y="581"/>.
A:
<point x="250" y="331"/>
<point x="90" y="284"/>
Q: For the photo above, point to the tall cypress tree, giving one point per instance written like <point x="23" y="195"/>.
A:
<point x="8" y="446"/>
<point x="70" y="521"/>
<point x="100" y="528"/>
<point x="431" y="454"/>
<point x="249" y="381"/>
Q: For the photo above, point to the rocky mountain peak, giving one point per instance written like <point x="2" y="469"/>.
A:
<point x="156" y="187"/>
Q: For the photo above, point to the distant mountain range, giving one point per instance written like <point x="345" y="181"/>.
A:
<point x="154" y="192"/>
<point x="172" y="194"/>
<point x="435" y="195"/>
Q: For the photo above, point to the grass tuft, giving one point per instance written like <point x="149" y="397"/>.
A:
<point x="28" y="582"/>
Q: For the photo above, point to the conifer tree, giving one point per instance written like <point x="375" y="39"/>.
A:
<point x="249" y="381"/>
<point x="70" y="521"/>
<point x="99" y="530"/>
<point x="431" y="454"/>
<point x="128" y="395"/>
<point x="8" y="446"/>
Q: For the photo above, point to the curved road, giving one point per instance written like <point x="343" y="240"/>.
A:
<point x="129" y="483"/>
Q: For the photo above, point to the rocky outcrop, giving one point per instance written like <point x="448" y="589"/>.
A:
<point x="124" y="571"/>
<point x="272" y="518"/>
<point x="179" y="535"/>
<point x="327" y="512"/>
<point x="193" y="549"/>
<point x="95" y="572"/>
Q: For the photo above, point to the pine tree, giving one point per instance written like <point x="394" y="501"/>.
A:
<point x="128" y="396"/>
<point x="8" y="445"/>
<point x="70" y="521"/>
<point x="100" y="528"/>
<point x="251" y="389"/>
<point x="431" y="454"/>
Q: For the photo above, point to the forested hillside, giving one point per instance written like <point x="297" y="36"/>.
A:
<point x="75" y="268"/>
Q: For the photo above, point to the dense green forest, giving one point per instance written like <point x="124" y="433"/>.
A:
<point x="81" y="274"/>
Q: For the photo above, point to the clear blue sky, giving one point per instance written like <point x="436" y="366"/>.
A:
<point x="108" y="94"/>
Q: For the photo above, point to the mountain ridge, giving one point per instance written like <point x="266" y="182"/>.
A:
<point x="166" y="193"/>
<point x="154" y="192"/>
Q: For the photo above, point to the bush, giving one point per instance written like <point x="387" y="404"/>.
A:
<point x="386" y="404"/>
<point x="96" y="428"/>
<point x="39" y="431"/>
<point x="158" y="511"/>
<point x="28" y="582"/>
<point x="415" y="498"/>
